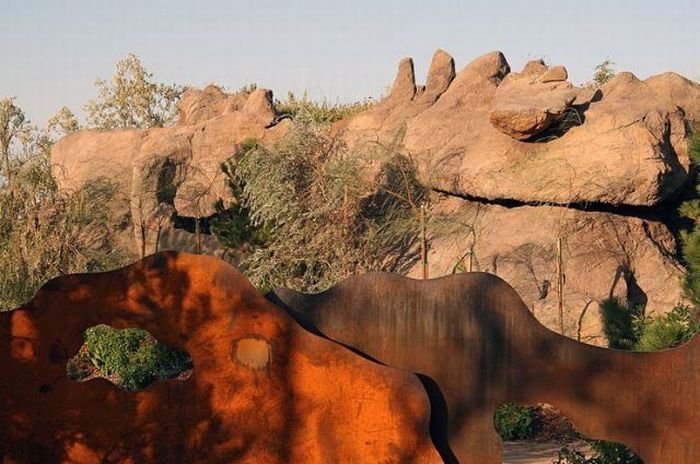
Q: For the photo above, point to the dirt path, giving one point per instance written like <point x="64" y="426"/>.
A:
<point x="527" y="452"/>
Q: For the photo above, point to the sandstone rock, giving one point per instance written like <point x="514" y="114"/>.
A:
<point x="440" y="76"/>
<point x="260" y="107"/>
<point x="404" y="88"/>
<point x="534" y="68"/>
<point x="630" y="150"/>
<point x="604" y="254"/>
<point x="179" y="165"/>
<point x="196" y="106"/>
<point x="585" y="96"/>
<point x="555" y="74"/>
<point x="679" y="90"/>
<point x="90" y="154"/>
<point x="522" y="110"/>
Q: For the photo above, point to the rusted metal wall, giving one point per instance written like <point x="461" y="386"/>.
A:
<point x="476" y="345"/>
<point x="263" y="390"/>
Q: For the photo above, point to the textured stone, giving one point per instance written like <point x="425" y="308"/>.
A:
<point x="630" y="149"/>
<point x="554" y="74"/>
<point x="179" y="165"/>
<point x="534" y="68"/>
<point x="604" y="254"/>
<point x="404" y="88"/>
<point x="196" y="106"/>
<point x="440" y="76"/>
<point x="678" y="90"/>
<point x="522" y="110"/>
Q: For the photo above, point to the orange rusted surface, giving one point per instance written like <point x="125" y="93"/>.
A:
<point x="477" y="346"/>
<point x="264" y="390"/>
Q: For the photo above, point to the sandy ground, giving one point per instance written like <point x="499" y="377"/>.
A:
<point x="526" y="452"/>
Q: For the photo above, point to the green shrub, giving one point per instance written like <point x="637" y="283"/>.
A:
<point x="45" y="233"/>
<point x="620" y="323"/>
<point x="131" y="358"/>
<point x="604" y="452"/>
<point x="307" y="191"/>
<point x="320" y="113"/>
<point x="691" y="239"/>
<point x="669" y="330"/>
<point x="514" y="421"/>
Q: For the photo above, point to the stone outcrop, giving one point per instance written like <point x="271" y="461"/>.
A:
<point x="678" y="90"/>
<point x="603" y="254"/>
<point x="523" y="108"/>
<point x="176" y="167"/>
<point x="196" y="106"/>
<point x="524" y="145"/>
<point x="629" y="149"/>
<point x="554" y="74"/>
<point x="440" y="76"/>
<point x="599" y="168"/>
<point x="263" y="389"/>
<point x="404" y="88"/>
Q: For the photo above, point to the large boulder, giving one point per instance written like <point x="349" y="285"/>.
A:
<point x="603" y="254"/>
<point x="179" y="166"/>
<point x="630" y="148"/>
<point x="678" y="90"/>
<point x="200" y="105"/>
<point x="523" y="108"/>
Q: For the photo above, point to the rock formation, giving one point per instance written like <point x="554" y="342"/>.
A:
<point x="604" y="254"/>
<point x="528" y="147"/>
<point x="524" y="106"/>
<point x="263" y="389"/>
<point x="628" y="150"/>
<point x="173" y="168"/>
<point x="545" y="160"/>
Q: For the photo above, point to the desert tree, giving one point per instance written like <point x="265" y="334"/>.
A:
<point x="15" y="131"/>
<point x="132" y="99"/>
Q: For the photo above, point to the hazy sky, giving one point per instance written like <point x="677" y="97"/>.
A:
<point x="52" y="50"/>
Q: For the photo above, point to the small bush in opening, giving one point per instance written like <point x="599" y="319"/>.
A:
<point x="514" y="422"/>
<point x="620" y="323"/>
<point x="131" y="358"/>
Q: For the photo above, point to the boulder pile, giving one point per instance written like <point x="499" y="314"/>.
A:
<point x="523" y="163"/>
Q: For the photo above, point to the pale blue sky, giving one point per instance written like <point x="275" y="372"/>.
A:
<point x="52" y="50"/>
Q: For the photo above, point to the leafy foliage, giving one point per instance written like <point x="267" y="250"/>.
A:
<point x="62" y="123"/>
<point x="620" y="323"/>
<point x="310" y="216"/>
<point x="669" y="330"/>
<point x="132" y="99"/>
<point x="320" y="113"/>
<point x="630" y="329"/>
<point x="604" y="72"/>
<point x="514" y="421"/>
<point x="45" y="233"/>
<point x="604" y="453"/>
<point x="15" y="129"/>
<point x="131" y="358"/>
<point x="691" y="239"/>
